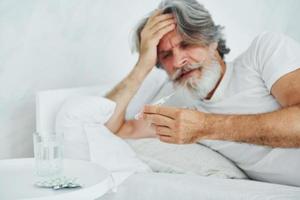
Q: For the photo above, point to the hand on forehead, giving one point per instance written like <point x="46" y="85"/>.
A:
<point x="170" y="40"/>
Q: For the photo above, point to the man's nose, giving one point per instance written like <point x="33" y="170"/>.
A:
<point x="180" y="60"/>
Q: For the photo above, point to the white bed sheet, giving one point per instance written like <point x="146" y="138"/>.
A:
<point x="161" y="186"/>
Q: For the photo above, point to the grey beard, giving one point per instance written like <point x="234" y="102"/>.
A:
<point x="201" y="87"/>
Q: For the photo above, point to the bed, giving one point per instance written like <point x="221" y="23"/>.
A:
<point x="159" y="186"/>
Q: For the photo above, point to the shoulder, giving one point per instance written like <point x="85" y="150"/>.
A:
<point x="275" y="55"/>
<point x="272" y="45"/>
<point x="266" y="45"/>
<point x="269" y="40"/>
<point x="266" y="41"/>
<point x="267" y="35"/>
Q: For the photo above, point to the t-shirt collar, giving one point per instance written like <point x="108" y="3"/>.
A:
<point x="219" y="92"/>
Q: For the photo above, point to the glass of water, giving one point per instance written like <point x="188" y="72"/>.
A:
<point x="48" y="154"/>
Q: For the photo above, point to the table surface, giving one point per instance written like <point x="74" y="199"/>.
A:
<point x="17" y="180"/>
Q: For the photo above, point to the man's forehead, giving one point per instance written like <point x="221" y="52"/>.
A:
<point x="169" y="40"/>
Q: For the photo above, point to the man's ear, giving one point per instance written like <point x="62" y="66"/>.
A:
<point x="213" y="47"/>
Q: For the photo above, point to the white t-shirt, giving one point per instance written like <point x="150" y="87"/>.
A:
<point x="247" y="82"/>
<point x="246" y="89"/>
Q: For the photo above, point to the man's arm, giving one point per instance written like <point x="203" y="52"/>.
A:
<point x="277" y="129"/>
<point x="134" y="129"/>
<point x="155" y="28"/>
<point x="122" y="94"/>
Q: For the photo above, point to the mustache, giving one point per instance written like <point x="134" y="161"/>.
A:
<point x="186" y="68"/>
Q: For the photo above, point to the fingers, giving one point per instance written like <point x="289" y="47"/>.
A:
<point x="155" y="13"/>
<point x="159" y="19"/>
<point x="159" y="34"/>
<point x="152" y="17"/>
<point x="159" y="24"/>
<point x="166" y="139"/>
<point x="163" y="130"/>
<point x="162" y="25"/>
<point x="159" y="120"/>
<point x="170" y="112"/>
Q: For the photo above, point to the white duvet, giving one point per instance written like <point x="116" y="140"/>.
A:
<point x="162" y="186"/>
<point x="81" y="119"/>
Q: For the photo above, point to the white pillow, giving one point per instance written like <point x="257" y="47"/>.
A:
<point x="81" y="120"/>
<point x="187" y="158"/>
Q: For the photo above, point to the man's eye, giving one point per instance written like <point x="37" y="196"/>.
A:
<point x="184" y="45"/>
<point x="166" y="55"/>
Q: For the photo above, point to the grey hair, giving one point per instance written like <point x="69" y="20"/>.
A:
<point x="194" y="23"/>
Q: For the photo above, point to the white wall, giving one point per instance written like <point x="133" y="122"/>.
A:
<point x="56" y="44"/>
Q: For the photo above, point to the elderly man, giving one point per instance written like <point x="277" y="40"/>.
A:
<point x="252" y="105"/>
<point x="255" y="99"/>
